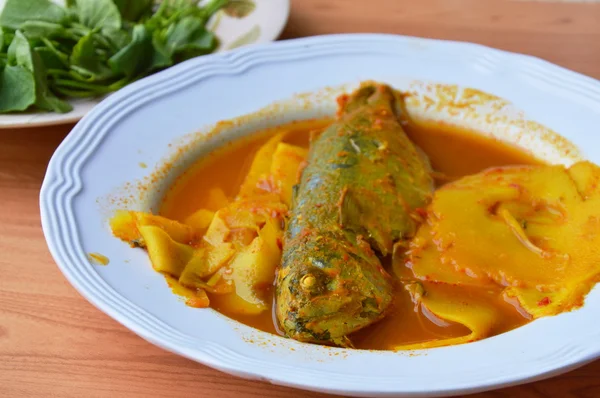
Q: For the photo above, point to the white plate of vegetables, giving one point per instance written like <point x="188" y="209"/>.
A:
<point x="58" y="59"/>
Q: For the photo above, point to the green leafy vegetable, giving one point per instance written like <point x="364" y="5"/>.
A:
<point x="99" y="14"/>
<point x="162" y="56"/>
<point x="117" y="38"/>
<point x="49" y="58"/>
<point x="37" y="29"/>
<point x="189" y="34"/>
<point x="136" y="57"/>
<point x="134" y="10"/>
<point x="93" y="47"/>
<point x="20" y="54"/>
<point x="17" y="89"/>
<point x="16" y="12"/>
<point x="87" y="60"/>
<point x="49" y="46"/>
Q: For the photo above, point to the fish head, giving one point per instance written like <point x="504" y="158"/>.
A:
<point x="331" y="293"/>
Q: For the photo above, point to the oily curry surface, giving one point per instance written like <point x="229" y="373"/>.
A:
<point x="453" y="153"/>
<point x="371" y="231"/>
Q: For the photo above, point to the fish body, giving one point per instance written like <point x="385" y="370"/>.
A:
<point x="356" y="197"/>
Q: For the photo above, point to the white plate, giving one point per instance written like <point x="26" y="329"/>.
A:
<point x="263" y="25"/>
<point x="97" y="169"/>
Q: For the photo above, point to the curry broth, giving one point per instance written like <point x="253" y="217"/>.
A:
<point x="453" y="153"/>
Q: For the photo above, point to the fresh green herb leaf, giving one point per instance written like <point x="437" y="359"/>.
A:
<point x="183" y="33"/>
<point x="101" y="41"/>
<point x="204" y="42"/>
<point x="48" y="101"/>
<point x="64" y="58"/>
<point x="17" y="88"/>
<point x="21" y="54"/>
<point x="84" y="52"/>
<point x="78" y="29"/>
<point x="49" y="58"/>
<point x="136" y="57"/>
<point x="38" y="29"/>
<point x="162" y="57"/>
<point x="134" y="10"/>
<point x="117" y="38"/>
<point x="16" y="12"/>
<point x="9" y="35"/>
<point x="99" y="14"/>
<point x="87" y="58"/>
<point x="203" y="39"/>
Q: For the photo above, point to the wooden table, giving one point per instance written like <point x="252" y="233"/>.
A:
<point x="53" y="343"/>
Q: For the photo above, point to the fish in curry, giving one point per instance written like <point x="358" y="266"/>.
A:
<point x="362" y="183"/>
<point x="342" y="232"/>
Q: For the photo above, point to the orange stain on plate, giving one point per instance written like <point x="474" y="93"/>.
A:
<point x="98" y="259"/>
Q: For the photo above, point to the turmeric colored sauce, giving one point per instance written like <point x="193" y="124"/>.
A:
<point x="226" y="168"/>
<point x="98" y="259"/>
<point x="453" y="153"/>
<point x="457" y="153"/>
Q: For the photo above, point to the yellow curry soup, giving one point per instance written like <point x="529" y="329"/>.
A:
<point x="486" y="255"/>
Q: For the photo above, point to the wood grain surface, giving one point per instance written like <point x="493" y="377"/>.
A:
<point x="53" y="343"/>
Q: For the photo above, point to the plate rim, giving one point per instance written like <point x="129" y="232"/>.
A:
<point x="589" y="86"/>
